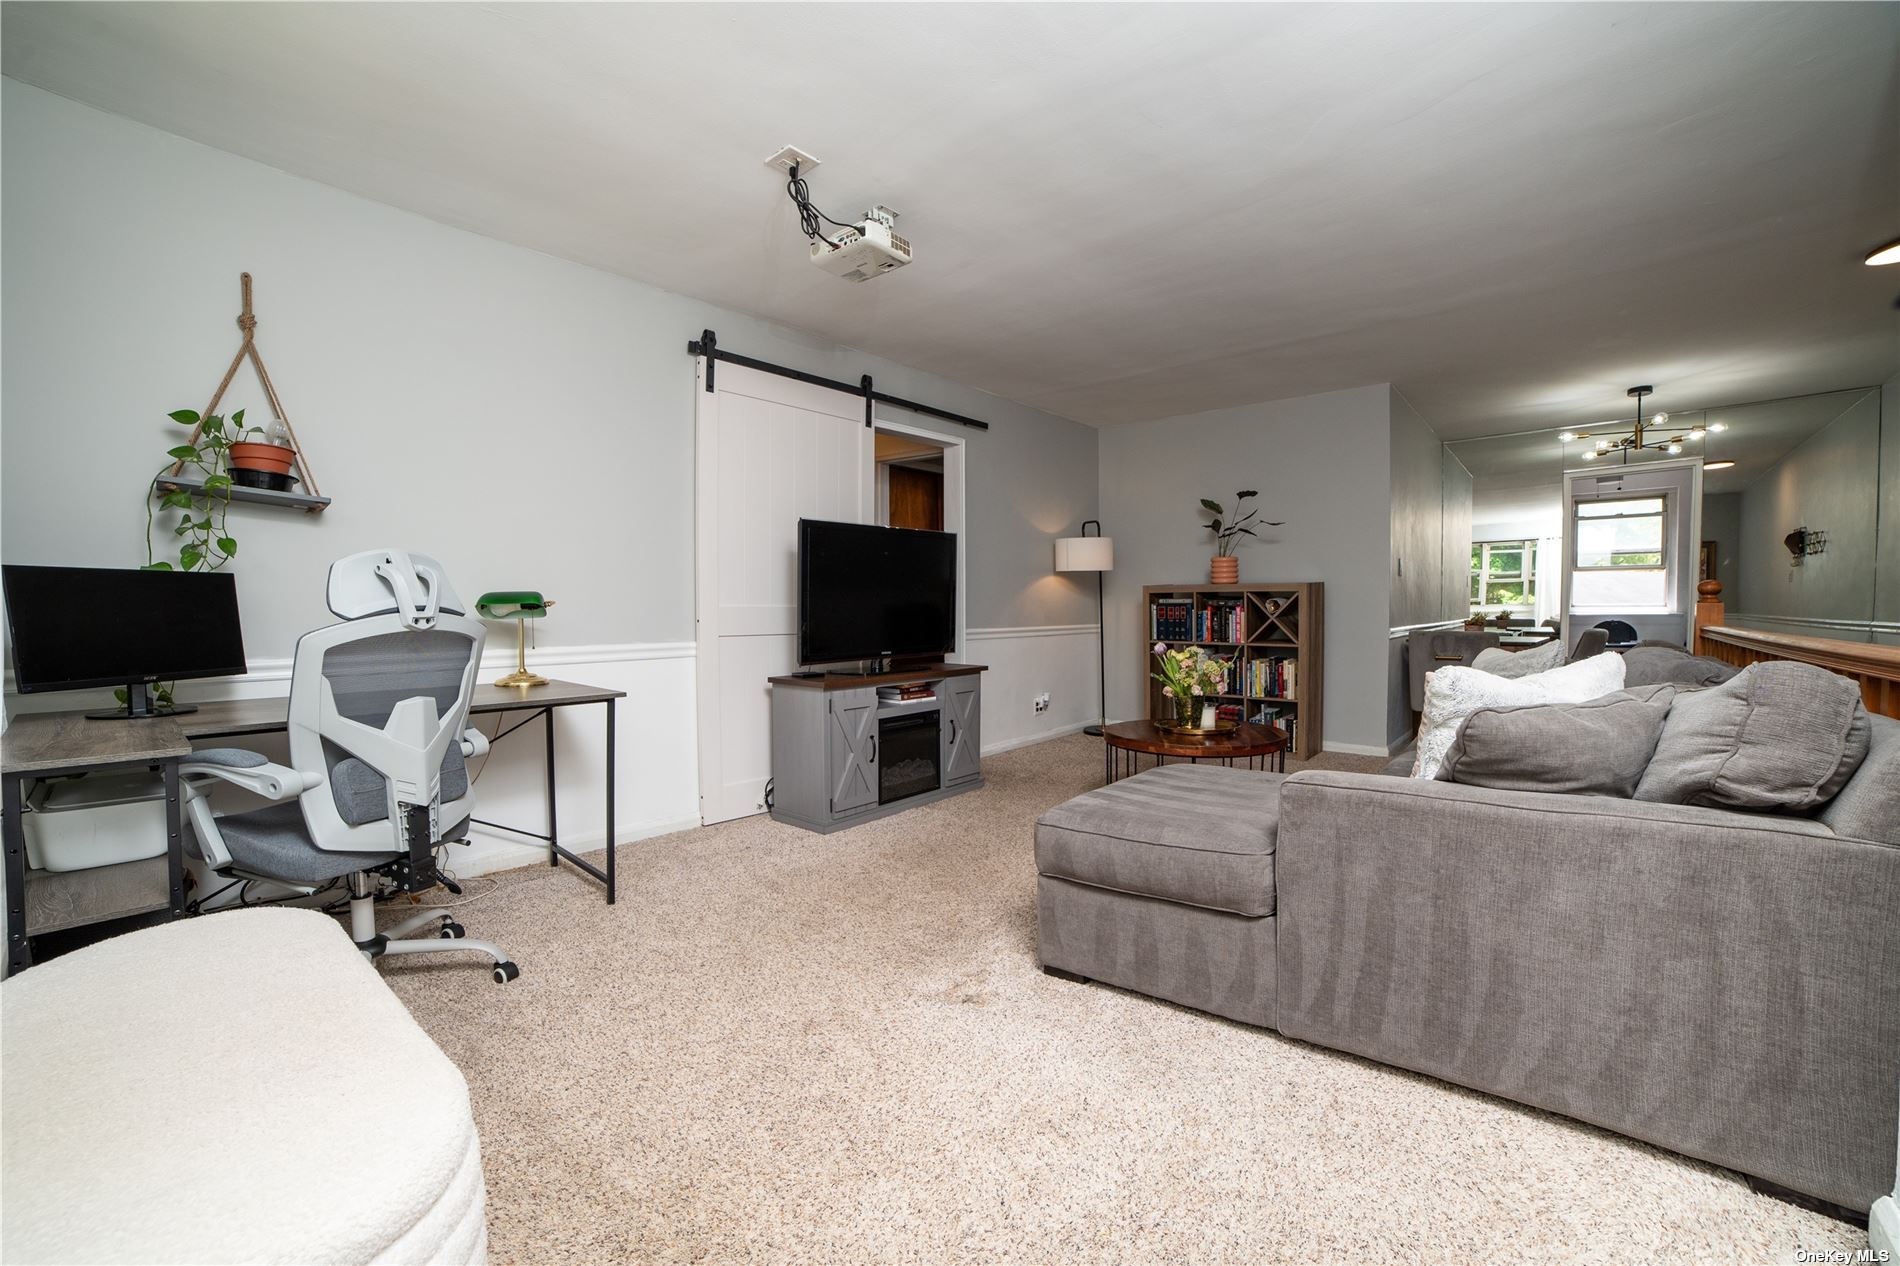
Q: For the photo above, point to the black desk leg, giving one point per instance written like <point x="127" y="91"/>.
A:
<point x="610" y="801"/>
<point x="554" y="835"/>
<point x="19" y="955"/>
<point x="174" y="841"/>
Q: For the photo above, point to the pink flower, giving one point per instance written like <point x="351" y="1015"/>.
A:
<point x="1168" y="691"/>
<point x="1161" y="648"/>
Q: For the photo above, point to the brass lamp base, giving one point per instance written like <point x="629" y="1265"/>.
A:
<point x="521" y="676"/>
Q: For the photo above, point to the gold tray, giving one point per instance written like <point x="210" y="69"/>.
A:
<point x="1175" y="727"/>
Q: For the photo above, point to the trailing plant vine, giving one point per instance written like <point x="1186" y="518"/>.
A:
<point x="204" y="541"/>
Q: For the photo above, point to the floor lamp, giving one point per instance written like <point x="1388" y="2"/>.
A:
<point x="1097" y="554"/>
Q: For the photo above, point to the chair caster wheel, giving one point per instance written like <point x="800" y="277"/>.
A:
<point x="505" y="972"/>
<point x="452" y="931"/>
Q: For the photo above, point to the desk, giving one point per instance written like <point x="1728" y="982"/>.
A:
<point x="38" y="745"/>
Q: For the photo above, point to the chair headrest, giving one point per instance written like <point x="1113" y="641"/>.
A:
<point x="391" y="582"/>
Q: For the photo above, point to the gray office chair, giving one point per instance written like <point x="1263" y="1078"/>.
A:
<point x="378" y="745"/>
<point x="1590" y="642"/>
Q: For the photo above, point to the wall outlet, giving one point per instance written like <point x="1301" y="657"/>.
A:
<point x="1042" y="702"/>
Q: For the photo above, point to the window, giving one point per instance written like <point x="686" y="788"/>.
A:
<point x="1621" y="555"/>
<point x="1504" y="574"/>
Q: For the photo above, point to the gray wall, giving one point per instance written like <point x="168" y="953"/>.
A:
<point x="1322" y="464"/>
<point x="1830" y="482"/>
<point x="1722" y="523"/>
<point x="1418" y="516"/>
<point x="1887" y="560"/>
<point x="528" y="420"/>
<point x="1454" y="575"/>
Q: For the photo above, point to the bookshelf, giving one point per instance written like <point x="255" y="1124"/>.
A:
<point x="1271" y="634"/>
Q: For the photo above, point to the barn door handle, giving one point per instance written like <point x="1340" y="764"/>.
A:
<point x="953" y="730"/>
<point x="874" y="749"/>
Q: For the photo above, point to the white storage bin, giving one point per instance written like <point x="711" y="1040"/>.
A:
<point x="97" y="820"/>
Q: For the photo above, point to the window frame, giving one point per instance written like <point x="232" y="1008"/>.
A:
<point x="1664" y="514"/>
<point x="1481" y="577"/>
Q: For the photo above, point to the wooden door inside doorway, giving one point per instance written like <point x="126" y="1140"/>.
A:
<point x="916" y="498"/>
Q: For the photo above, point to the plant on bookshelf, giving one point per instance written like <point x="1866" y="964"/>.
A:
<point x="1224" y="569"/>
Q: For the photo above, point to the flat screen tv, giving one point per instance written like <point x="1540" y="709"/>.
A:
<point x="866" y="591"/>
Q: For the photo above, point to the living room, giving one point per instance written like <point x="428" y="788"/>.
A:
<point x="1506" y="395"/>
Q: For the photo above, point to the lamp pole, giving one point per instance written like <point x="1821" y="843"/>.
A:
<point x="1101" y="636"/>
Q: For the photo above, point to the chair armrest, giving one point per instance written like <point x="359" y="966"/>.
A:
<point x="249" y="771"/>
<point x="474" y="743"/>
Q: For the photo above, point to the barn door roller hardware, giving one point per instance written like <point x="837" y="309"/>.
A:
<point x="707" y="345"/>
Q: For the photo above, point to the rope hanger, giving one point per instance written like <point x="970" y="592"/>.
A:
<point x="247" y="322"/>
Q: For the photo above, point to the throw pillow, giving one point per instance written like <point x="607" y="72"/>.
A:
<point x="1538" y="659"/>
<point x="1646" y="665"/>
<point x="1596" y="748"/>
<point x="1779" y="735"/>
<point x="1454" y="693"/>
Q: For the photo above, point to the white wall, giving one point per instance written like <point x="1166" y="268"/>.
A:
<point x="1322" y="464"/>
<point x="525" y="419"/>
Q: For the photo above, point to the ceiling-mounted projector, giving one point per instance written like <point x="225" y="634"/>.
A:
<point x="867" y="249"/>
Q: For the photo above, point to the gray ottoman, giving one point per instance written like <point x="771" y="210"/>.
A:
<point x="1163" y="884"/>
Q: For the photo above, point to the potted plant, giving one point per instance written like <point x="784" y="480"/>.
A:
<point x="260" y="457"/>
<point x="1189" y="677"/>
<point x="1224" y="568"/>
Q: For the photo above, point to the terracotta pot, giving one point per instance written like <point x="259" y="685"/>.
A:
<point x="1224" y="571"/>
<point x="274" y="459"/>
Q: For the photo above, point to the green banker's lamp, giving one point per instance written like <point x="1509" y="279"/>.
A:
<point x="519" y="605"/>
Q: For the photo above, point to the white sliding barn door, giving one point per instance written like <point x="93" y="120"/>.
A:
<point x="769" y="451"/>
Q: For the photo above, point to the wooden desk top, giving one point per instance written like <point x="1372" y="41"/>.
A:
<point x="1245" y="742"/>
<point x="852" y="681"/>
<point x="38" y="741"/>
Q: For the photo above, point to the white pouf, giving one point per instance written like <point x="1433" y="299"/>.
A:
<point x="240" y="1087"/>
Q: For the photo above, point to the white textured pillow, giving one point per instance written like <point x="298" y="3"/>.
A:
<point x="1502" y="663"/>
<point x="1455" y="692"/>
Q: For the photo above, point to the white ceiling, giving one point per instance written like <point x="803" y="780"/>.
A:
<point x="1124" y="212"/>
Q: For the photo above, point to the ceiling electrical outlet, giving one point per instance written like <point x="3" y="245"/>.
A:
<point x="792" y="156"/>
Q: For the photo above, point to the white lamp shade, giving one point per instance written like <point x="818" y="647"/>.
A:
<point x="1085" y="553"/>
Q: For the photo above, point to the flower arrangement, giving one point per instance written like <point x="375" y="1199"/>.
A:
<point x="1186" y="675"/>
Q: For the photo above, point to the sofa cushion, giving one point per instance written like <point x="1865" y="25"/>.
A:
<point x="1599" y="747"/>
<point x="1646" y="665"/>
<point x="1452" y="694"/>
<point x="1779" y="735"/>
<point x="1868" y="807"/>
<point x="1202" y="835"/>
<point x="1536" y="659"/>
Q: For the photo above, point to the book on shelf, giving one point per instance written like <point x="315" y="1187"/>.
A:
<point x="1273" y="677"/>
<point x="907" y="693"/>
<point x="1171" y="620"/>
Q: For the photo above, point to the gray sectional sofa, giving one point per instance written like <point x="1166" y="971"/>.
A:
<point x="1722" y="983"/>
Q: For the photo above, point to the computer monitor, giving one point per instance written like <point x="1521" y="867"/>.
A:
<point x="73" y="628"/>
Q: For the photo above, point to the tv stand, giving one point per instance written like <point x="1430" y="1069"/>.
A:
<point x="842" y="755"/>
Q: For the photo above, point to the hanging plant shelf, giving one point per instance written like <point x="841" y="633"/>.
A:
<point x="310" y="501"/>
<point x="255" y="496"/>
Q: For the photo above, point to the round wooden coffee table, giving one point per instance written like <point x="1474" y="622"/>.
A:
<point x="1126" y="742"/>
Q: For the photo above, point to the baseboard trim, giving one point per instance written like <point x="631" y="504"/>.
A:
<point x="1356" y="749"/>
<point x="1030" y="740"/>
<point x="500" y="852"/>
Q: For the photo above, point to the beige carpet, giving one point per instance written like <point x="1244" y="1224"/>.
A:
<point x="784" y="1047"/>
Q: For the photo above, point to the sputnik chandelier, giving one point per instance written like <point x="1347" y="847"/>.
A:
<point x="1641" y="435"/>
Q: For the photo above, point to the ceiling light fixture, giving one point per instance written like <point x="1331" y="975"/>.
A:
<point x="1888" y="254"/>
<point x="1723" y="464"/>
<point x="1635" y="439"/>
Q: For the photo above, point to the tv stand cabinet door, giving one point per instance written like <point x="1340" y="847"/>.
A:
<point x="851" y="740"/>
<point x="962" y="728"/>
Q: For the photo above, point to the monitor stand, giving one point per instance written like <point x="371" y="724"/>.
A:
<point x="139" y="706"/>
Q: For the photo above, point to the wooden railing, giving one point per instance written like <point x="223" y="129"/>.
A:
<point x="1876" y="668"/>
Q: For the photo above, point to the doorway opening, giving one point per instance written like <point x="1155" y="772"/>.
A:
<point x="910" y="483"/>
